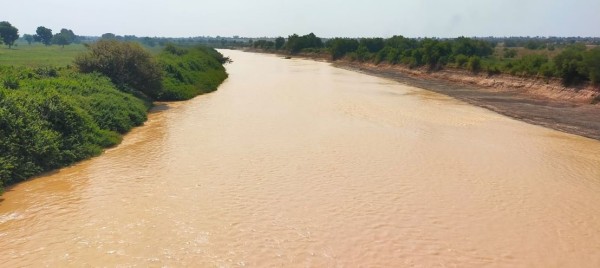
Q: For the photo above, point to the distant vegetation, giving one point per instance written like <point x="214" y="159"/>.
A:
<point x="8" y="33"/>
<point x="573" y="60"/>
<point x="57" y="107"/>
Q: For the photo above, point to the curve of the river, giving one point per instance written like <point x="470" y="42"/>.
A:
<point x="297" y="163"/>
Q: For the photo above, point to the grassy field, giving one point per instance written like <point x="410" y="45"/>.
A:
<point x="36" y="55"/>
<point x="39" y="55"/>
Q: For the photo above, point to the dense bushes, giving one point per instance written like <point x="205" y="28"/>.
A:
<point x="297" y="43"/>
<point x="576" y="64"/>
<point x="54" y="120"/>
<point x="51" y="117"/>
<point x="176" y="74"/>
<point x="127" y="64"/>
<point x="189" y="72"/>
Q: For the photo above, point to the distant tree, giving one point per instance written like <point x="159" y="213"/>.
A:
<point x="297" y="43"/>
<point x="374" y="45"/>
<point x="8" y="33"/>
<point x="65" y="37"/>
<point x="592" y="63"/>
<point x="570" y="66"/>
<point x="43" y="35"/>
<point x="279" y="43"/>
<point x="28" y="38"/>
<point x="109" y="36"/>
<point x="471" y="47"/>
<point x="341" y="46"/>
<point x="148" y="41"/>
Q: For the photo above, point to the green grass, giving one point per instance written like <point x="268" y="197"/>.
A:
<point x="36" y="55"/>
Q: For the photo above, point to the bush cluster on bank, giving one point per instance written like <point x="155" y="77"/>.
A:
<point x="52" y="117"/>
<point x="189" y="72"/>
<point x="177" y="73"/>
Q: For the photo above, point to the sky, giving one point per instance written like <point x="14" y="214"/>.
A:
<point x="325" y="18"/>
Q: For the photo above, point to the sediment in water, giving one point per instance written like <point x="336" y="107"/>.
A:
<point x="536" y="101"/>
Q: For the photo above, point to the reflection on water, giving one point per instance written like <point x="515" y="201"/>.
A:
<point x="296" y="163"/>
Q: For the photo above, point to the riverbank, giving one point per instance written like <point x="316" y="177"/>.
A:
<point x="293" y="163"/>
<point x="573" y="110"/>
<point x="52" y="117"/>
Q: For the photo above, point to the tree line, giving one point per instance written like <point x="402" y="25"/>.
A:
<point x="575" y="63"/>
<point x="9" y="34"/>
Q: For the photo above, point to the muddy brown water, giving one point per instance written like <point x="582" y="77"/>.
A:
<point x="294" y="163"/>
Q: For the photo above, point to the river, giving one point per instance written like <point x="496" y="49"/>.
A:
<point x="295" y="163"/>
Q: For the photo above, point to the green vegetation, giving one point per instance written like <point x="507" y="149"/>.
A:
<point x="65" y="37"/>
<point x="190" y="71"/>
<point x="297" y="43"/>
<point x="8" y="33"/>
<point x="176" y="74"/>
<point x="52" y="117"/>
<point x="127" y="64"/>
<point x="568" y="59"/>
<point x="37" y="55"/>
<point x="43" y="35"/>
<point x="55" y="111"/>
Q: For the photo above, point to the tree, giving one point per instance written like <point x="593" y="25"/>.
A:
<point x="43" y="35"/>
<point x="592" y="62"/>
<point x="28" y="38"/>
<point x="341" y="46"/>
<point x="127" y="64"/>
<point x="149" y="41"/>
<point x="8" y="33"/>
<point x="374" y="45"/>
<point x="109" y="36"/>
<point x="65" y="37"/>
<point x="297" y="43"/>
<point x="569" y="64"/>
<point x="279" y="43"/>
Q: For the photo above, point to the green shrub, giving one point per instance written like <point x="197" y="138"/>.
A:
<point x="50" y="122"/>
<point x="592" y="63"/>
<point x="11" y="82"/>
<point x="190" y="72"/>
<point x="493" y="70"/>
<point x="461" y="60"/>
<point x="510" y="53"/>
<point x="127" y="64"/>
<point x="474" y="64"/>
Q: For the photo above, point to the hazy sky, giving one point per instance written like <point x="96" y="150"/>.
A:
<point x="326" y="18"/>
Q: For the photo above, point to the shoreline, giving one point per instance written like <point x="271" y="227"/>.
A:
<point x="534" y="101"/>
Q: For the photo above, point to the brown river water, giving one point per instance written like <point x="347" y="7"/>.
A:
<point x="295" y="163"/>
